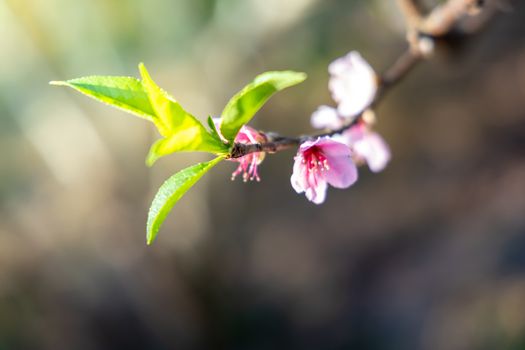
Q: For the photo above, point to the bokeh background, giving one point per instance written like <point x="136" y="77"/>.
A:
<point x="429" y="254"/>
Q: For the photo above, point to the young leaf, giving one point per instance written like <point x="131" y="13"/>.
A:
<point x="170" y="193"/>
<point x="126" y="93"/>
<point x="185" y="140"/>
<point x="182" y="131"/>
<point x="212" y="126"/>
<point x="242" y="107"/>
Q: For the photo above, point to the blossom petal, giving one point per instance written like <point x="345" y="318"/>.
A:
<point x="313" y="186"/>
<point x="374" y="150"/>
<point x="342" y="138"/>
<point x="298" y="176"/>
<point x="317" y="194"/>
<point x="308" y="144"/>
<point x="353" y="84"/>
<point x="342" y="172"/>
<point x="333" y="149"/>
<point x="350" y="136"/>
<point x="326" y="117"/>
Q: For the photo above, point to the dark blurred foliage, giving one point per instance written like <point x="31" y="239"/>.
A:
<point x="427" y="255"/>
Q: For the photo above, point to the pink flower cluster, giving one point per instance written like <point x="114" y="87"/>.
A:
<point x="353" y="85"/>
<point x="331" y="160"/>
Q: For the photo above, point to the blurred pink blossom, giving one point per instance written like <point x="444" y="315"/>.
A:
<point x="319" y="163"/>
<point x="353" y="84"/>
<point x="367" y="146"/>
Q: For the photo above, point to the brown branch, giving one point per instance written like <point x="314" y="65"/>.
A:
<point x="412" y="12"/>
<point x="439" y="22"/>
<point x="443" y="18"/>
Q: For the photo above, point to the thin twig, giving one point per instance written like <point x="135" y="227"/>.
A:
<point x="439" y="22"/>
<point x="443" y="18"/>
<point x="412" y="12"/>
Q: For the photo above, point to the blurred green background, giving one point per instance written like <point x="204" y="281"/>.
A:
<point x="429" y="254"/>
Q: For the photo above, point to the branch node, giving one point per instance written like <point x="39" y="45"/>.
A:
<point x="425" y="45"/>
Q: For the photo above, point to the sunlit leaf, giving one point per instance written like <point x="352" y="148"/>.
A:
<point x="242" y="107"/>
<point x="182" y="131"/>
<point x="213" y="127"/>
<point x="126" y="93"/>
<point x="171" y="192"/>
<point x="189" y="139"/>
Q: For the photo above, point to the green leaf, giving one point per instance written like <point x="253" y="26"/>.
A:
<point x="126" y="93"/>
<point x="242" y="107"/>
<point x="185" y="140"/>
<point x="171" y="191"/>
<point x="213" y="127"/>
<point x="182" y="131"/>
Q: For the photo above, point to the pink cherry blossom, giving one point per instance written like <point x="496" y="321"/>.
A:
<point x="319" y="163"/>
<point x="248" y="164"/>
<point x="353" y="84"/>
<point x="367" y="146"/>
